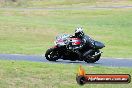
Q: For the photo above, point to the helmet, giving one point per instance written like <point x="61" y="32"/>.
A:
<point x="79" y="32"/>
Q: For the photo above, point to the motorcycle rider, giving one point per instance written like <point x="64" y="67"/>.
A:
<point x="86" y="40"/>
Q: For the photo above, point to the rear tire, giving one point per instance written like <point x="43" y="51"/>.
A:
<point x="91" y="59"/>
<point x="52" y="55"/>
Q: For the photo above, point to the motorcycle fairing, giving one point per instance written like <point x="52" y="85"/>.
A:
<point x="98" y="45"/>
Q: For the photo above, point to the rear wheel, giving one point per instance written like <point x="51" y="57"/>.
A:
<point x="52" y="55"/>
<point x="91" y="59"/>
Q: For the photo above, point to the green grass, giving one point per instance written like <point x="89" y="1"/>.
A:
<point x="15" y="74"/>
<point x="62" y="3"/>
<point x="33" y="31"/>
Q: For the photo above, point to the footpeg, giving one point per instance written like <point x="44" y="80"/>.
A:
<point x="97" y="54"/>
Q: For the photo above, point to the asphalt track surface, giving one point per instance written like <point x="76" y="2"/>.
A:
<point x="70" y="8"/>
<point x="111" y="62"/>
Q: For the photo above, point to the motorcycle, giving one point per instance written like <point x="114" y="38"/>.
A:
<point x="71" y="48"/>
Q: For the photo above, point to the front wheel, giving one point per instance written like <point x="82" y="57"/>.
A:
<point x="90" y="59"/>
<point x="52" y="55"/>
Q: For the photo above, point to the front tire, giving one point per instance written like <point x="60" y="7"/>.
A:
<point x="52" y="55"/>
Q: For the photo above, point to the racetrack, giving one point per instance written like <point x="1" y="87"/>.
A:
<point x="111" y="62"/>
<point x="70" y="8"/>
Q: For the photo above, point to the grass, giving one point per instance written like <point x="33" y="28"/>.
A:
<point x="62" y="3"/>
<point x="33" y="31"/>
<point x="15" y="74"/>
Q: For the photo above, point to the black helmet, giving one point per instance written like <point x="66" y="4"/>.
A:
<point x="79" y="32"/>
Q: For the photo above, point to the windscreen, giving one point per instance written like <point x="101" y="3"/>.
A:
<point x="63" y="36"/>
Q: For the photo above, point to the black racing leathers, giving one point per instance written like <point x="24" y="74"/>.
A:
<point x="87" y="41"/>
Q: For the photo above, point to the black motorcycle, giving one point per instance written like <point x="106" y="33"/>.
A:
<point x="71" y="48"/>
